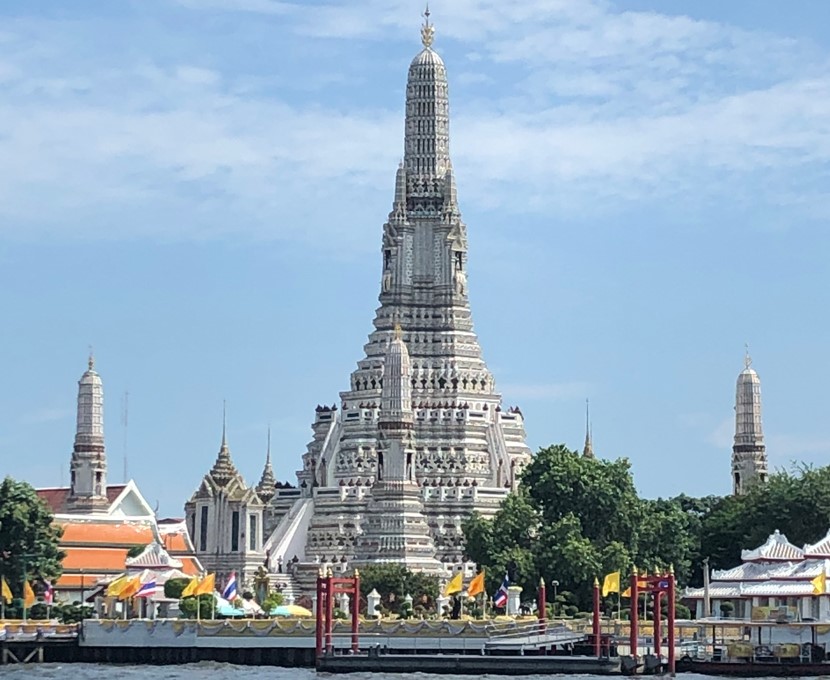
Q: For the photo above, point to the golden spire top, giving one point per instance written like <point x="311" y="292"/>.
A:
<point x="398" y="333"/>
<point x="91" y="360"/>
<point x="427" y="30"/>
<point x="747" y="357"/>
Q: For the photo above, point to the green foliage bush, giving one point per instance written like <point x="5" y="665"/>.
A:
<point x="394" y="582"/>
<point x="205" y="604"/>
<point x="173" y="588"/>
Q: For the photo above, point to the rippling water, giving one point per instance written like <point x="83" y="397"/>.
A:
<point x="210" y="670"/>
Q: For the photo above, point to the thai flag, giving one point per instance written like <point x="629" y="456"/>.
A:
<point x="500" y="598"/>
<point x="49" y="594"/>
<point x="229" y="593"/>
<point x="147" y="589"/>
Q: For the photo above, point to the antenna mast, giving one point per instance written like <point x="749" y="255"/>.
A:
<point x="125" y="411"/>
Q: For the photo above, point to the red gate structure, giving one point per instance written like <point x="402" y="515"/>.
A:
<point x="327" y="587"/>
<point x="656" y="584"/>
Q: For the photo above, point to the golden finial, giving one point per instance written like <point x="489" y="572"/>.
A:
<point x="91" y="360"/>
<point x="427" y="30"/>
<point x="398" y="334"/>
<point x="747" y="358"/>
<point x="356" y="573"/>
<point x="634" y="570"/>
<point x="329" y="573"/>
<point x="596" y="582"/>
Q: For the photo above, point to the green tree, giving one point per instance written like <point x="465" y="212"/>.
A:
<point x="28" y="539"/>
<point x="600" y="493"/>
<point x="666" y="537"/>
<point x="576" y="519"/>
<point x="394" y="582"/>
<point x="795" y="502"/>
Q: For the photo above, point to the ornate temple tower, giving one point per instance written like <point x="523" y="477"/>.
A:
<point x="395" y="529"/>
<point x="88" y="468"/>
<point x="225" y="519"/>
<point x="749" y="456"/>
<point x="467" y="451"/>
<point x="267" y="486"/>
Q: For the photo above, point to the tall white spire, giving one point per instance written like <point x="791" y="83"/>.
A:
<point x="88" y="468"/>
<point x="749" y="457"/>
<point x="396" y="393"/>
<point x="427" y="126"/>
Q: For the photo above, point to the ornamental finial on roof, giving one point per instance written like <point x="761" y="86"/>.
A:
<point x="427" y="30"/>
<point x="91" y="361"/>
<point x="398" y="333"/>
<point x="747" y="358"/>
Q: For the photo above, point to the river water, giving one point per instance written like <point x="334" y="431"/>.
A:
<point x="207" y="670"/>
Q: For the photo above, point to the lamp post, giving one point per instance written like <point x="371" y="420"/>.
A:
<point x="555" y="585"/>
<point x="25" y="557"/>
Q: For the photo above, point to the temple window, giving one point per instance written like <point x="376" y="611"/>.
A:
<point x="252" y="533"/>
<point x="235" y="531"/>
<point x="203" y="529"/>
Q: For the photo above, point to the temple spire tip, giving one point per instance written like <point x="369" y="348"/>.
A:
<point x="427" y="29"/>
<point x="224" y="423"/>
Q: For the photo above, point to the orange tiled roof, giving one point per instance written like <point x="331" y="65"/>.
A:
<point x="95" y="560"/>
<point x="190" y="566"/>
<point x="78" y="581"/>
<point x="175" y="542"/>
<point x="106" y="533"/>
<point x="56" y="497"/>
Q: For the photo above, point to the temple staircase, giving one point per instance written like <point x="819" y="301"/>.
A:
<point x="288" y="586"/>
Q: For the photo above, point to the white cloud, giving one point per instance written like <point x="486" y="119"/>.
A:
<point x="600" y="104"/>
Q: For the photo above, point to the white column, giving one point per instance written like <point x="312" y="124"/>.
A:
<point x="514" y="594"/>
<point x="372" y="601"/>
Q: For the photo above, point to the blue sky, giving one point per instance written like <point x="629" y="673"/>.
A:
<point x="197" y="189"/>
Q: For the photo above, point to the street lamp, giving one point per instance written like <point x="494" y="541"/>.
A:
<point x="555" y="585"/>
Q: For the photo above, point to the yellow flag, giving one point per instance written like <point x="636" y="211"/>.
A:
<point x="114" y="589"/>
<point x="626" y="592"/>
<point x="190" y="588"/>
<point x="5" y="591"/>
<point x="611" y="583"/>
<point x="207" y="586"/>
<point x="130" y="588"/>
<point x="28" y="595"/>
<point x="456" y="585"/>
<point x="820" y="584"/>
<point x="476" y="585"/>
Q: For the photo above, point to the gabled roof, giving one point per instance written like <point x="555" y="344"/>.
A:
<point x="819" y="549"/>
<point x="776" y="548"/>
<point x="735" y="589"/>
<point x="56" y="497"/>
<point x="154" y="556"/>
<point x="767" y="571"/>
